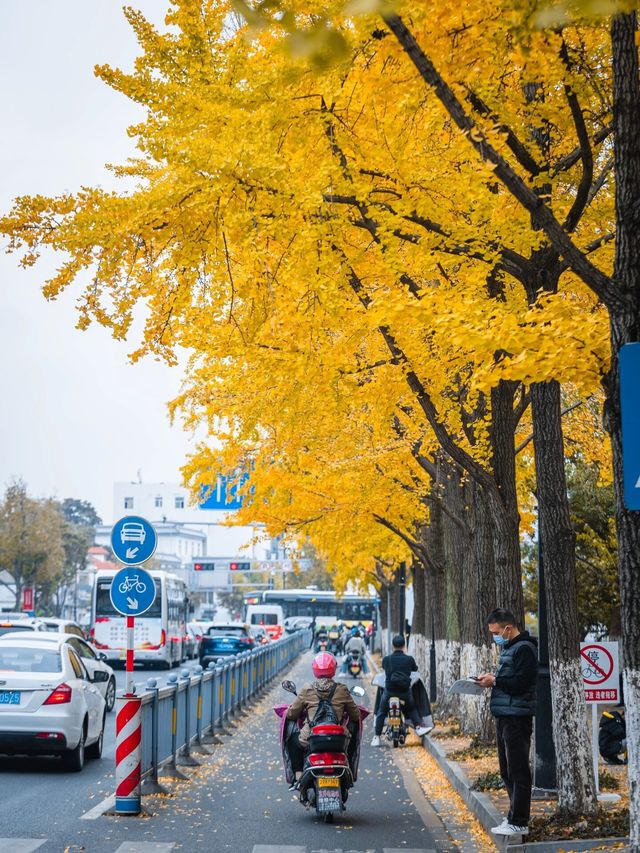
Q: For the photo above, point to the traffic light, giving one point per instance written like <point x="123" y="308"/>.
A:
<point x="204" y="567"/>
<point x="239" y="567"/>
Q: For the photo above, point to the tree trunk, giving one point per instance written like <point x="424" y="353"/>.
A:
<point x="478" y="595"/>
<point x="625" y="328"/>
<point x="576" y="791"/>
<point x="504" y="502"/>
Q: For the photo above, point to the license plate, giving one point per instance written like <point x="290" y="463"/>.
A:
<point x="394" y="722"/>
<point x="9" y="697"/>
<point x="328" y="782"/>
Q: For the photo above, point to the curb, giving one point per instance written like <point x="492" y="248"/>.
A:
<point x="484" y="810"/>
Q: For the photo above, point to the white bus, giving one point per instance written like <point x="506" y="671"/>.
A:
<point x="160" y="633"/>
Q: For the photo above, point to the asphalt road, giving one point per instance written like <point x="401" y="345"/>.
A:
<point x="236" y="802"/>
<point x="39" y="799"/>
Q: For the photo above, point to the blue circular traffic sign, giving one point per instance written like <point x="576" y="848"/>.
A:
<point x="133" y="591"/>
<point x="133" y="540"/>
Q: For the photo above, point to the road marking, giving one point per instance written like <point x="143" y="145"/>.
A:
<point x="278" y="848"/>
<point x="146" y="847"/>
<point x="102" y="807"/>
<point x="407" y="850"/>
<point x="20" y="845"/>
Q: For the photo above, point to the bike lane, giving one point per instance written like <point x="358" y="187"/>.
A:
<point x="238" y="801"/>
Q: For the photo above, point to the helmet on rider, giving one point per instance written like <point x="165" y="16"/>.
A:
<point x="324" y="665"/>
<point x="354" y="632"/>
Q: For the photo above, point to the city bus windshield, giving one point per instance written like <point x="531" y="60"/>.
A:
<point x="104" y="607"/>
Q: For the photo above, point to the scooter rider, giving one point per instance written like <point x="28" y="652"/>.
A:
<point x="398" y="667"/>
<point x="355" y="643"/>
<point x="308" y="699"/>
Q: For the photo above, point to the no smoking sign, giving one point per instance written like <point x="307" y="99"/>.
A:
<point x="600" y="673"/>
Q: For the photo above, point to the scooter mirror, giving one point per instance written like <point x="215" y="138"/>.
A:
<point x="290" y="687"/>
<point x="357" y="691"/>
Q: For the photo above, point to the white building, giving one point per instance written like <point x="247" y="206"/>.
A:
<point x="169" y="502"/>
<point x="191" y="533"/>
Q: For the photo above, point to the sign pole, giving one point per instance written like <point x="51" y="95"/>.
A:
<point x="130" y="648"/>
<point x="132" y="592"/>
<point x="595" y="749"/>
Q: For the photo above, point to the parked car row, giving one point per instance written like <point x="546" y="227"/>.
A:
<point x="52" y="698"/>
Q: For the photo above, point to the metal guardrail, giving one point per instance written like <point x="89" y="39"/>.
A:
<point x="179" y="719"/>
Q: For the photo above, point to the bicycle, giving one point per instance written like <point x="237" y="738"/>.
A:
<point x="131" y="583"/>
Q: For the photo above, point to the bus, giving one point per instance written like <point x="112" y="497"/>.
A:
<point x="159" y="634"/>
<point x="326" y="605"/>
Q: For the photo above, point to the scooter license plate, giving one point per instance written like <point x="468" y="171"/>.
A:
<point x="394" y="722"/>
<point x="328" y="782"/>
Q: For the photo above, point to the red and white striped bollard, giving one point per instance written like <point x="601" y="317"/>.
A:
<point x="128" y="739"/>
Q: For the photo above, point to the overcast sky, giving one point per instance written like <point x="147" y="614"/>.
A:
<point x="76" y="416"/>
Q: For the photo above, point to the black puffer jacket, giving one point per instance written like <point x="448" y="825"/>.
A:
<point x="514" y="694"/>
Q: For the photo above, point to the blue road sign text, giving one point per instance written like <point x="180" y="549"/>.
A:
<point x="630" y="403"/>
<point x="133" y="540"/>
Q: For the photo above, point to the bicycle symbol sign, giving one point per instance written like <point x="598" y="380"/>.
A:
<point x="599" y="664"/>
<point x="132" y="591"/>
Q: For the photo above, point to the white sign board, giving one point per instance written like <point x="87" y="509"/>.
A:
<point x="600" y="672"/>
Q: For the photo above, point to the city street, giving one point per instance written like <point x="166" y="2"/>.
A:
<point x="237" y="801"/>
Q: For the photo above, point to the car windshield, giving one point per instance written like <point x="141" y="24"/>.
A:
<point x="5" y="629"/>
<point x="25" y="659"/>
<point x="224" y="631"/>
<point x="264" y="618"/>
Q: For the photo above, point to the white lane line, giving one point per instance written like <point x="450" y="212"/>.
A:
<point x="146" y="847"/>
<point x="102" y="807"/>
<point x="407" y="850"/>
<point x="20" y="845"/>
<point x="278" y="848"/>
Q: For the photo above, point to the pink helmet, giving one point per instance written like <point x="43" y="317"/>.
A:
<point x="324" y="665"/>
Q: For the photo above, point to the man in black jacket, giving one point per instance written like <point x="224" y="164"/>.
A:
<point x="398" y="667"/>
<point x="513" y="704"/>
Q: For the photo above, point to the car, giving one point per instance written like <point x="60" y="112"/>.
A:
<point x="259" y="635"/>
<point x="221" y="640"/>
<point x="133" y="531"/>
<point x="23" y="624"/>
<point x="93" y="660"/>
<point x="63" y="626"/>
<point x="49" y="704"/>
<point x="195" y="630"/>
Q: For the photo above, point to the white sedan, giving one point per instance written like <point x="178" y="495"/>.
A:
<point x="92" y="659"/>
<point x="49" y="704"/>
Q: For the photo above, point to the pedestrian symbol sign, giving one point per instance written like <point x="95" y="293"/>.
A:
<point x="600" y="673"/>
<point x="133" y="540"/>
<point x="133" y="591"/>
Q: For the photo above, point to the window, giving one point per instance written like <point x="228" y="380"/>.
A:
<point x="128" y="503"/>
<point x="78" y="669"/>
<point x="82" y="649"/>
<point x="158" y="501"/>
<point x="20" y="659"/>
<point x="104" y="607"/>
<point x="179" y="502"/>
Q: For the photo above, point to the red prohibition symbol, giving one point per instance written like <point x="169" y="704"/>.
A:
<point x="592" y="672"/>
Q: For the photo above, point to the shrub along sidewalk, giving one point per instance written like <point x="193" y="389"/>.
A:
<point x="472" y="769"/>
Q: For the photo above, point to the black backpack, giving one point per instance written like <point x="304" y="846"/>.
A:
<point x="399" y="682"/>
<point x="325" y="714"/>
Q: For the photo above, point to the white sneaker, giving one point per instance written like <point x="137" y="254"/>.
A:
<point x="375" y="740"/>
<point x="421" y="731"/>
<point x="510" y="829"/>
<point x="497" y="829"/>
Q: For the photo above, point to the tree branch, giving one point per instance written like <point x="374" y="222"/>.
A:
<point x="601" y="284"/>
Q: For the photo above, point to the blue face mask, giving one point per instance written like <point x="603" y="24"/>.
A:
<point x="499" y="640"/>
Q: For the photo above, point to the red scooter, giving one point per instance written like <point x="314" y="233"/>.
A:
<point x="331" y="767"/>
